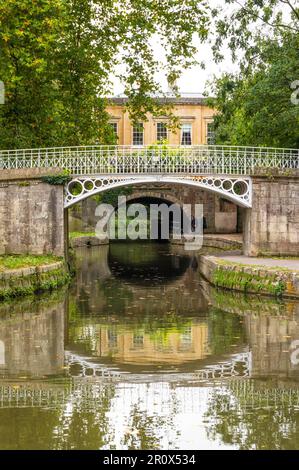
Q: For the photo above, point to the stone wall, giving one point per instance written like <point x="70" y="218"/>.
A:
<point x="225" y="216"/>
<point x="271" y="227"/>
<point x="31" y="214"/>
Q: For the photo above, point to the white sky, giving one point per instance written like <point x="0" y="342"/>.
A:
<point x="195" y="79"/>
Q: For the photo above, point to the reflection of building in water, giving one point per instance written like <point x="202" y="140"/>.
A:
<point x="2" y="353"/>
<point x="32" y="337"/>
<point x="174" y="346"/>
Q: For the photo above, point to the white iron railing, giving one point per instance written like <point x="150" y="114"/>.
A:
<point x="199" y="159"/>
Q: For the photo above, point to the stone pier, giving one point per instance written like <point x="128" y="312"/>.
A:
<point x="271" y="226"/>
<point x="31" y="213"/>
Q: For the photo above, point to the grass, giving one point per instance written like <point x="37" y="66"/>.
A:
<point x="81" y="234"/>
<point x="248" y="282"/>
<point x="24" y="261"/>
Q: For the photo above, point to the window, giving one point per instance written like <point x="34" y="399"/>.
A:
<point x="210" y="133"/>
<point x="138" y="340"/>
<point x="138" y="134"/>
<point x="161" y="131"/>
<point x="114" y="127"/>
<point x="186" y="336"/>
<point x="112" y="338"/>
<point x="186" y="134"/>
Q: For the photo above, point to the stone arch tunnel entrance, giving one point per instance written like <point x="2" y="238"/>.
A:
<point x="220" y="214"/>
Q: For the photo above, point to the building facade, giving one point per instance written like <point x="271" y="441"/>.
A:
<point x="194" y="116"/>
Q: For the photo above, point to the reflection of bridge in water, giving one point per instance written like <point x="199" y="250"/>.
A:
<point x="87" y="394"/>
<point x="93" y="379"/>
<point x="238" y="365"/>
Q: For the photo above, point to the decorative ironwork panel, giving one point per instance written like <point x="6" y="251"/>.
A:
<point x="236" y="189"/>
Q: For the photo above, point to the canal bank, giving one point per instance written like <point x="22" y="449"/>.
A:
<point x="267" y="276"/>
<point x="222" y="264"/>
<point x="23" y="275"/>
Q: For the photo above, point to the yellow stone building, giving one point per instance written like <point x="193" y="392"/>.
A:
<point x="139" y="347"/>
<point x="195" y="118"/>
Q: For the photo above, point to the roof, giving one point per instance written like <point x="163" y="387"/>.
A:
<point x="184" y="98"/>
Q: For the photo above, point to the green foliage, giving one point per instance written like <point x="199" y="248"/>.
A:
<point x="57" y="57"/>
<point x="60" y="179"/>
<point x="254" y="105"/>
<point x="242" y="24"/>
<point x="28" y="34"/>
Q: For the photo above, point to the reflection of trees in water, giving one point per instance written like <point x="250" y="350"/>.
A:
<point x="225" y="331"/>
<point x="57" y="416"/>
<point x="146" y="430"/>
<point x="251" y="415"/>
<point x="142" y="432"/>
<point x="83" y="423"/>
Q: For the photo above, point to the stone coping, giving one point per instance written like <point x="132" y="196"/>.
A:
<point x="28" y="173"/>
<point x="253" y="279"/>
<point x="222" y="242"/>
<point x="273" y="173"/>
<point x="27" y="271"/>
<point x="31" y="279"/>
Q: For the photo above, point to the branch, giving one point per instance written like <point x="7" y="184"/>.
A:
<point x="296" y="12"/>
<point x="272" y="25"/>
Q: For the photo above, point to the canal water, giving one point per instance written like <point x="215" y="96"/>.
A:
<point x="141" y="353"/>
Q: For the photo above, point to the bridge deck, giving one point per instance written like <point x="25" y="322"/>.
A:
<point x="199" y="159"/>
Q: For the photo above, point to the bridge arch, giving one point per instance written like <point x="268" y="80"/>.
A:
<point x="139" y="195"/>
<point x="235" y="189"/>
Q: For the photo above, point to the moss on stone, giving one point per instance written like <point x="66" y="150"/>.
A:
<point x="248" y="282"/>
<point x="39" y="281"/>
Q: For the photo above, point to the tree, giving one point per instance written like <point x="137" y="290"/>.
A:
<point x="58" y="56"/>
<point x="241" y="23"/>
<point x="27" y="39"/>
<point x="255" y="106"/>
